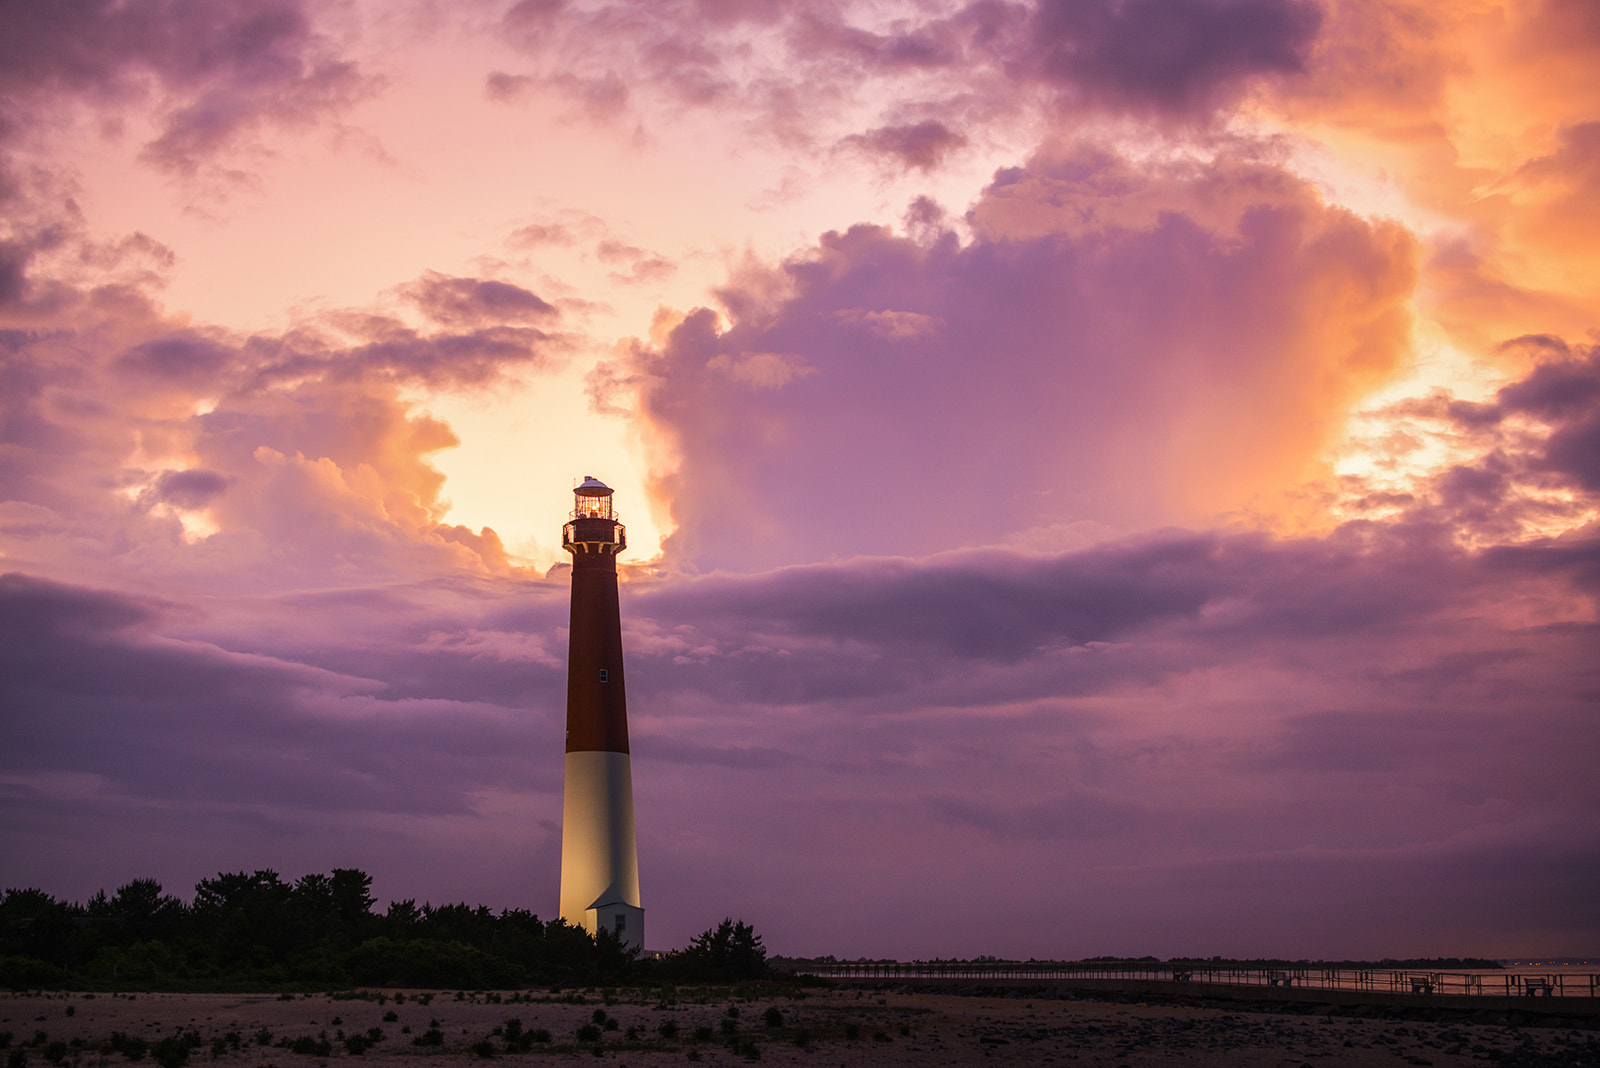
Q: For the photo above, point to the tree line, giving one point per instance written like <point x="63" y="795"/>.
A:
<point x="258" y="931"/>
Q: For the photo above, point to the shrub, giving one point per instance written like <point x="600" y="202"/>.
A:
<point x="391" y="1017"/>
<point x="307" y="1046"/>
<point x="668" y="1029"/>
<point x="802" y="1038"/>
<point x="774" y="1017"/>
<point x="132" y="1048"/>
<point x="881" y="1036"/>
<point x="431" y="1037"/>
<point x="55" y="1052"/>
<point x="18" y="1058"/>
<point x="703" y="1033"/>
<point x="729" y="1025"/>
<point x="852" y="1031"/>
<point x="519" y="1040"/>
<point x="588" y="1033"/>
<point x="483" y="1048"/>
<point x="542" y="1034"/>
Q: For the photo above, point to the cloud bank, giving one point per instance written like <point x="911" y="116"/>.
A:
<point x="1017" y="560"/>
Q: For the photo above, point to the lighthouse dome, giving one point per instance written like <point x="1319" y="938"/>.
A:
<point x="592" y="487"/>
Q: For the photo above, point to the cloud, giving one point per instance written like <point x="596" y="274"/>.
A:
<point x="1128" y="346"/>
<point x="1523" y="462"/>
<point x="161" y="720"/>
<point x="891" y="325"/>
<point x="923" y="145"/>
<point x="1478" y="121"/>
<point x="1232" y="713"/>
<point x="800" y="75"/>
<point x="642" y="266"/>
<point x="503" y="87"/>
<point x="251" y="457"/>
<point x="964" y="565"/>
<point x="1564" y="395"/>
<point x="182" y="357"/>
<point x="219" y="71"/>
<point x="1178" y="57"/>
<point x="760" y="370"/>
<point x="535" y="235"/>
<point x="194" y="488"/>
<point x="471" y="301"/>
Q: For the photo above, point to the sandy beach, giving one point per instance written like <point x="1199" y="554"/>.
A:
<point x="818" y="1028"/>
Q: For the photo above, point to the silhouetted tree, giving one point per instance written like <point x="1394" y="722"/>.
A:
<point x="244" y="915"/>
<point x="401" y="921"/>
<point x="728" y="952"/>
<point x="254" y="929"/>
<point x="352" y="901"/>
<point x="34" y="924"/>
<point x="142" y="911"/>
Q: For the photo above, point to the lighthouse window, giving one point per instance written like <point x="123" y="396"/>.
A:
<point x="605" y="676"/>
<point x="622" y="923"/>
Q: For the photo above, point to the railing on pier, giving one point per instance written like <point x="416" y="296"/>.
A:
<point x="1497" y="984"/>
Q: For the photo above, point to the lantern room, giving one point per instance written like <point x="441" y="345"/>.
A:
<point x="594" y="526"/>
<point x="592" y="500"/>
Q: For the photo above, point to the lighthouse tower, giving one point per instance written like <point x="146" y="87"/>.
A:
<point x="599" y="861"/>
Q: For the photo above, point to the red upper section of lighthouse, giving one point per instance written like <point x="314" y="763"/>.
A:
<point x="597" y="704"/>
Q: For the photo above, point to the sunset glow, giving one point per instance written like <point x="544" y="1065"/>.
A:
<point x="1138" y="460"/>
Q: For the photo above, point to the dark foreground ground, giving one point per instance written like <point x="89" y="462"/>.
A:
<point x="837" y="1027"/>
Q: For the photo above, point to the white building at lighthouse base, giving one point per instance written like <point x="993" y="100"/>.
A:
<point x="599" y="856"/>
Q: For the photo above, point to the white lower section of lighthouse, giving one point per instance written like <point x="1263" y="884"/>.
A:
<point x="599" y="858"/>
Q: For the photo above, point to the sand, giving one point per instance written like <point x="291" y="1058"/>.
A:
<point x="913" y="1029"/>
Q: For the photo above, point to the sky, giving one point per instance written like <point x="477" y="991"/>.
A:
<point x="1101" y="476"/>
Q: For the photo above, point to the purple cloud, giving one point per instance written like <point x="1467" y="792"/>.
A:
<point x="1200" y="719"/>
<point x="1536" y="443"/>
<point x="923" y="145"/>
<point x="1067" y="364"/>
<point x="193" y="488"/>
<point x="1178" y="57"/>
<point x="476" y="300"/>
<point x="225" y="67"/>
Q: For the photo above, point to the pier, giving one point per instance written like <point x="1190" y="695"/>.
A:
<point x="1553" y="993"/>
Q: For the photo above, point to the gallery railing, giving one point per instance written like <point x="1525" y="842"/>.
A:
<point x="1498" y="984"/>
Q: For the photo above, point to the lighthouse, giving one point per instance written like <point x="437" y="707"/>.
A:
<point x="599" y="860"/>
